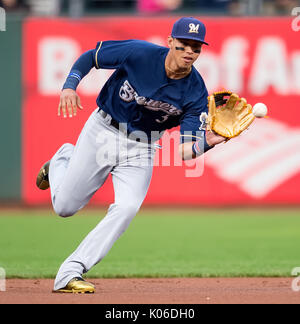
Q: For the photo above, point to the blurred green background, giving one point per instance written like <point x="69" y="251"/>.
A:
<point x="158" y="243"/>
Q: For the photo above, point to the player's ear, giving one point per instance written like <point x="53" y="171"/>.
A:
<point x="170" y="41"/>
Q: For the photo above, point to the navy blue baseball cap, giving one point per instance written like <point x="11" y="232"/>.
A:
<point x="189" y="28"/>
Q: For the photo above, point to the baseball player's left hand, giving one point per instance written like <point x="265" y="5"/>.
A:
<point x="213" y="138"/>
<point x="228" y="114"/>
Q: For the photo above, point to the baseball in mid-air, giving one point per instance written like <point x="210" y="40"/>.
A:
<point x="260" y="110"/>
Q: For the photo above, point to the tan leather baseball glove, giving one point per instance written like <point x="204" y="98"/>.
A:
<point x="228" y="114"/>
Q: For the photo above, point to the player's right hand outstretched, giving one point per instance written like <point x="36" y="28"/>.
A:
<point x="69" y="101"/>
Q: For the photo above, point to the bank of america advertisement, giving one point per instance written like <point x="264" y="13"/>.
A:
<point x="258" y="58"/>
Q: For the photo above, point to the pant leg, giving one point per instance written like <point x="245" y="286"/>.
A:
<point x="75" y="172"/>
<point x="131" y="180"/>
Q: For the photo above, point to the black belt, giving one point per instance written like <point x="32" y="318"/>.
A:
<point x="113" y="122"/>
<point x="116" y="125"/>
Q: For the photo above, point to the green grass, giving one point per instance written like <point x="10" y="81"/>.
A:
<point x="158" y="243"/>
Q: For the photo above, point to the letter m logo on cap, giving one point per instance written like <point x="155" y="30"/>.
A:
<point x="193" y="28"/>
<point x="2" y="20"/>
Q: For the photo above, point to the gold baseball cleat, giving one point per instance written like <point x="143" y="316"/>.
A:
<point x="77" y="286"/>
<point x="42" y="180"/>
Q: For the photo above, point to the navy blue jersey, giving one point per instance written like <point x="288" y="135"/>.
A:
<point x="140" y="94"/>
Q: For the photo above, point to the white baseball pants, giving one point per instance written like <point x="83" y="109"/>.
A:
<point x="77" y="172"/>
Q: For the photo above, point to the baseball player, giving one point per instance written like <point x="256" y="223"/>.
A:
<point x="153" y="88"/>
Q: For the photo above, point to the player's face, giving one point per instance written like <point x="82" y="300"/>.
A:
<point x="185" y="51"/>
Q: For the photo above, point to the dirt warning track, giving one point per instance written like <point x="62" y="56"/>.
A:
<point x="157" y="291"/>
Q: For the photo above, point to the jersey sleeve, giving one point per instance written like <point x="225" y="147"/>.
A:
<point x="112" y="54"/>
<point x="190" y="122"/>
<point x="79" y="70"/>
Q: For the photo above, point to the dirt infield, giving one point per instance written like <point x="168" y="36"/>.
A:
<point x="157" y="291"/>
